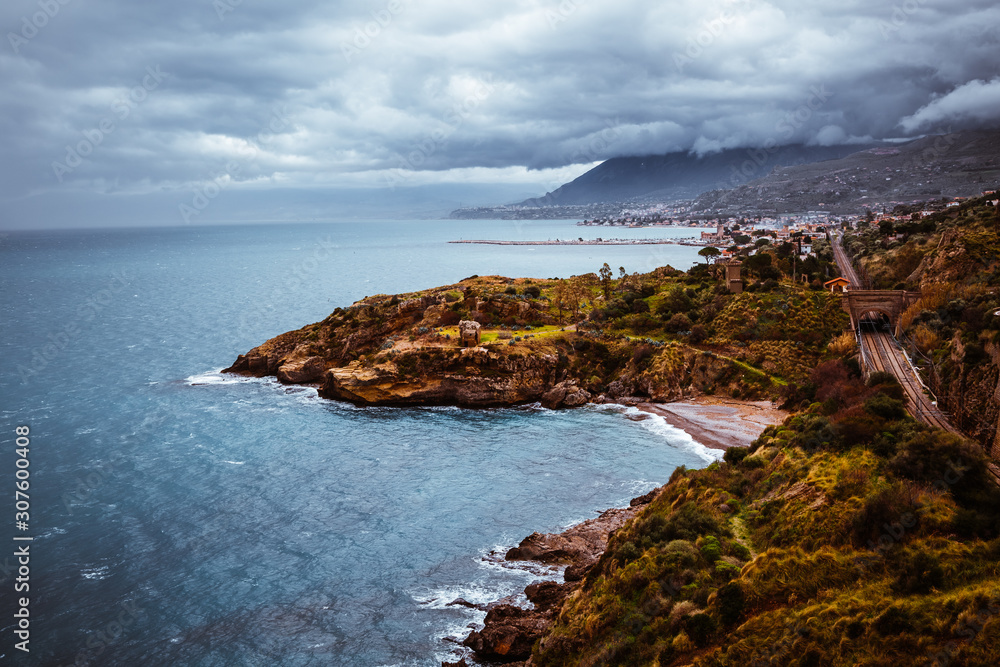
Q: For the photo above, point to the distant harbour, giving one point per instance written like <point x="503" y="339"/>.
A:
<point x="688" y="242"/>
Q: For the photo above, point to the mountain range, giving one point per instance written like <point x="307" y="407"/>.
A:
<point x="951" y="165"/>
<point x="682" y="175"/>
<point x="838" y="179"/>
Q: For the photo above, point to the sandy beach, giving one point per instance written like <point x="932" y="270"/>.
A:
<point x="719" y="422"/>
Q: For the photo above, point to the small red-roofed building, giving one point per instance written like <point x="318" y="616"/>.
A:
<point x="839" y="284"/>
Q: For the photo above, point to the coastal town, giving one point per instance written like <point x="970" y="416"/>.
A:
<point x="789" y="237"/>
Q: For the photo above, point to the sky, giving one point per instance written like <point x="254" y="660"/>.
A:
<point x="206" y="111"/>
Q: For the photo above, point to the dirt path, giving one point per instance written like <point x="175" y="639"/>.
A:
<point x="742" y="535"/>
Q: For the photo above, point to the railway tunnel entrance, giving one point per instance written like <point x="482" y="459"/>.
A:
<point x="878" y="306"/>
<point x="875" y="322"/>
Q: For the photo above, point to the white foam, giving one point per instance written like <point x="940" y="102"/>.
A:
<point x="235" y="463"/>
<point x="217" y="377"/>
<point x="476" y="593"/>
<point x="675" y="436"/>
<point x="97" y="573"/>
<point x="50" y="532"/>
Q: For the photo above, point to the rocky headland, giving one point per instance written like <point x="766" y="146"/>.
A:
<point x="549" y="341"/>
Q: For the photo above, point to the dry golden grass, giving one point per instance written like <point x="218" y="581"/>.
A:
<point x="937" y="295"/>
<point x="843" y="345"/>
<point x="925" y="339"/>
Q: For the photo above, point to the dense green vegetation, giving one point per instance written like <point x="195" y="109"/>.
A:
<point x="876" y="540"/>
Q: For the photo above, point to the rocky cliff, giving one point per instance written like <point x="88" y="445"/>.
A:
<point x="536" y="345"/>
<point x="475" y="376"/>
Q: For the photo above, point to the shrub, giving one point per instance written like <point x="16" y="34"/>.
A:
<point x="858" y="428"/>
<point x="885" y="506"/>
<point x="627" y="553"/>
<point x="510" y="290"/>
<point x="711" y="550"/>
<point x="843" y="345"/>
<point x="731" y="601"/>
<point x="974" y="354"/>
<point x="616" y="308"/>
<point x="812" y="432"/>
<point x="937" y="458"/>
<point x="640" y="306"/>
<point x="642" y="353"/>
<point x="700" y="627"/>
<point x="919" y="573"/>
<point x="832" y="380"/>
<point x="532" y="291"/>
<point x="881" y="377"/>
<point x="679" y="322"/>
<point x="690" y="522"/>
<point x="925" y="339"/>
<point x="674" y="301"/>
<point x="882" y="406"/>
<point x="639" y="322"/>
<point x="735" y="455"/>
<point x="893" y="621"/>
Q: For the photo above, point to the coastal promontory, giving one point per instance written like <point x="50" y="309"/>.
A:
<point x="493" y="341"/>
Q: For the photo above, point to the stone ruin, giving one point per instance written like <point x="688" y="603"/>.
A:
<point x="733" y="280"/>
<point x="469" y="333"/>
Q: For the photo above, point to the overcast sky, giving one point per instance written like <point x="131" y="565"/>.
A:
<point x="112" y="107"/>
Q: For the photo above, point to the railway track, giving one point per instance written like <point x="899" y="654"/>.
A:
<point x="881" y="352"/>
<point x="844" y="263"/>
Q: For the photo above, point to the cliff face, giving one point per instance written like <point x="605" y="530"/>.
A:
<point x="563" y="369"/>
<point x="452" y="376"/>
<point x="970" y="392"/>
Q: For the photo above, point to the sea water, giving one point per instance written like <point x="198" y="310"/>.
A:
<point x="183" y="517"/>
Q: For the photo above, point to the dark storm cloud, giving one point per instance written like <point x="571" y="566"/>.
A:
<point x="113" y="96"/>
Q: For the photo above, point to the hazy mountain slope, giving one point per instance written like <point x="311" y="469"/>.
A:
<point x="679" y="175"/>
<point x="959" y="164"/>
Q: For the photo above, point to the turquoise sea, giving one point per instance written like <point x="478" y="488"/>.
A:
<point x="183" y="517"/>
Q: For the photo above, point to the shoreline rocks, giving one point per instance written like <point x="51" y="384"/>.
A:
<point x="510" y="632"/>
<point x="566" y="394"/>
<point x="467" y="377"/>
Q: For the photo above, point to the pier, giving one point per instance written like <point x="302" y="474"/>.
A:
<point x="687" y="242"/>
